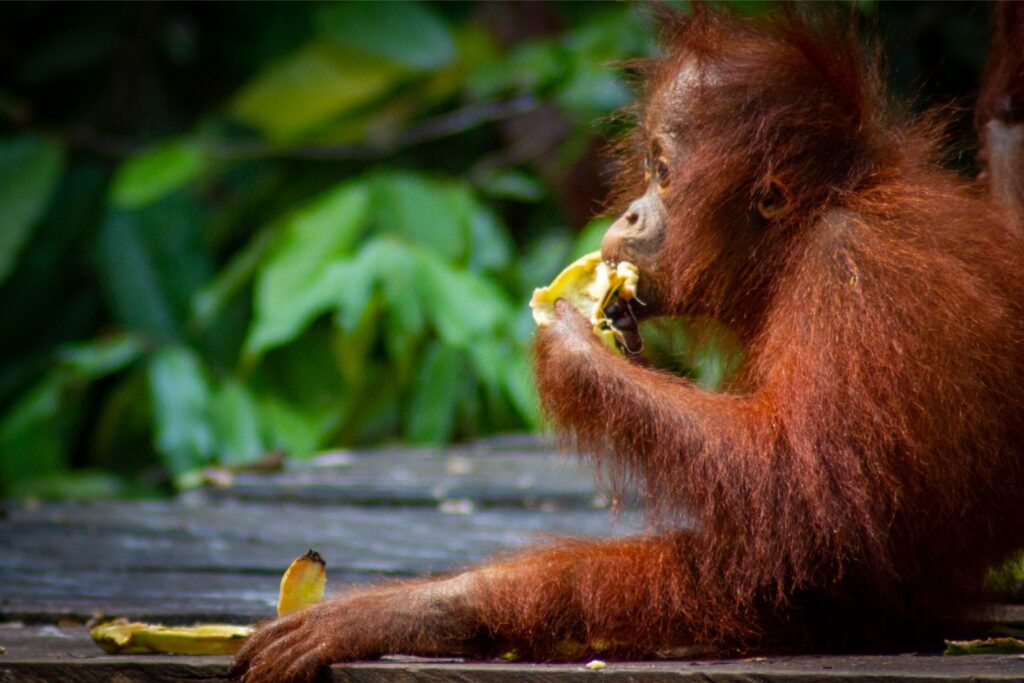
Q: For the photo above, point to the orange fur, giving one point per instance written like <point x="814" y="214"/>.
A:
<point x="863" y="471"/>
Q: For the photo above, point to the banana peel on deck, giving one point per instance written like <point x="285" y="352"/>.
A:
<point x="301" y="586"/>
<point x="124" y="637"/>
<point x="987" y="646"/>
<point x="590" y="285"/>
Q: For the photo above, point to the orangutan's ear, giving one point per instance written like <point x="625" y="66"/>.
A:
<point x="776" y="201"/>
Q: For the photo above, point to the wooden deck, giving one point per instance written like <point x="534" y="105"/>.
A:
<point x="217" y="555"/>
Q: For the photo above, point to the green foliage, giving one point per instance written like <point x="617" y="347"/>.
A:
<point x="154" y="173"/>
<point x="29" y="169"/>
<point x="407" y="33"/>
<point x="291" y="227"/>
<point x="336" y="250"/>
<point x="311" y="86"/>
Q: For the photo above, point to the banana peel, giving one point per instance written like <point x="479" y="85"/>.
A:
<point x="988" y="646"/>
<point x="589" y="284"/>
<point x="301" y="586"/>
<point x="124" y="637"/>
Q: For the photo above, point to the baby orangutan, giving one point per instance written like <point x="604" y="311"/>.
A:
<point x="855" y="480"/>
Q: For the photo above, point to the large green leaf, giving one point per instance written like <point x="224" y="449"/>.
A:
<point x="181" y="400"/>
<point x="462" y="305"/>
<point x="431" y="414"/>
<point x="504" y="366"/>
<point x="96" y="359"/>
<point x="408" y="33"/>
<point x="590" y="237"/>
<point x="306" y="271"/>
<point x="543" y="259"/>
<point x="51" y="296"/>
<point x="311" y="86"/>
<point x="520" y="389"/>
<point x="491" y="245"/>
<point x="513" y="184"/>
<point x="29" y="170"/>
<point x="236" y="423"/>
<point x="298" y="431"/>
<point x="154" y="173"/>
<point x="395" y="270"/>
<point x="153" y="261"/>
<point x="230" y="280"/>
<point x="424" y="212"/>
<point x="31" y="440"/>
<point x="593" y="91"/>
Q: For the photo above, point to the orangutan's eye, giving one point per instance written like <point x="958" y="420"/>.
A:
<point x="661" y="172"/>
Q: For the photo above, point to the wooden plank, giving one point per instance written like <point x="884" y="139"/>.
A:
<point x="66" y="654"/>
<point x="527" y="473"/>
<point x="191" y="559"/>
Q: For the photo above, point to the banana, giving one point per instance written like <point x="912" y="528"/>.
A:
<point x="301" y="586"/>
<point x="589" y="284"/>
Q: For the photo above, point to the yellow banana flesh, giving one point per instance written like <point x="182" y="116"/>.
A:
<point x="589" y="284"/>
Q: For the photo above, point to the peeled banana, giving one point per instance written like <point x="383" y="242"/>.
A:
<point x="589" y="284"/>
<point x="301" y="586"/>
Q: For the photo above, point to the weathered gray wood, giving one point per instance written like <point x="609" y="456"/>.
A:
<point x="217" y="555"/>
<point x="521" y="472"/>
<point x="65" y="654"/>
<point x="194" y="559"/>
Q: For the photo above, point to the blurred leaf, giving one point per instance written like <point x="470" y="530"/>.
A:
<point x="590" y="237"/>
<point x="544" y="258"/>
<point x="513" y="184"/>
<point x="408" y="33"/>
<point x="518" y="382"/>
<point x="214" y="298"/>
<point x="717" y="352"/>
<point x="154" y="173"/>
<point x="297" y="431"/>
<point x="533" y="66"/>
<point x="489" y="358"/>
<point x="122" y="439"/>
<point x="593" y="91"/>
<point x="311" y="86"/>
<point x="153" y="261"/>
<point x="392" y="268"/>
<point x="31" y="440"/>
<point x="424" y="212"/>
<point x="431" y="413"/>
<point x="79" y="486"/>
<point x="304" y="273"/>
<point x="44" y="302"/>
<point x="29" y="170"/>
<point x="352" y="344"/>
<point x="236" y="423"/>
<point x="491" y="245"/>
<point x="462" y="305"/>
<point x="93" y="360"/>
<point x="181" y="409"/>
<point x="400" y="282"/>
